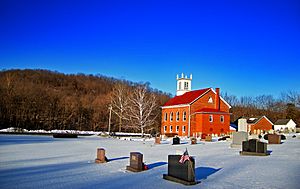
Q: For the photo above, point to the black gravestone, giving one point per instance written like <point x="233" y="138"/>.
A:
<point x="183" y="173"/>
<point x="261" y="147"/>
<point x="136" y="162"/>
<point x="176" y="140"/>
<point x="254" y="147"/>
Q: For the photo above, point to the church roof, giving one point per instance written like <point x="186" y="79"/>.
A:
<point x="186" y="98"/>
<point x="282" y="121"/>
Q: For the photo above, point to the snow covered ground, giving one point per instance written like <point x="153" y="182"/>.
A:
<point x="46" y="162"/>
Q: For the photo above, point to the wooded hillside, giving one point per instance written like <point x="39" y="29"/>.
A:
<point x="41" y="99"/>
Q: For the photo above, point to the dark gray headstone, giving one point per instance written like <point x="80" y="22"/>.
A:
<point x="261" y="147"/>
<point x="184" y="171"/>
<point x="176" y="140"/>
<point x="254" y="146"/>
<point x="136" y="161"/>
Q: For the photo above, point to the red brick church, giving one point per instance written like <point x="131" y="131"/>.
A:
<point x="195" y="113"/>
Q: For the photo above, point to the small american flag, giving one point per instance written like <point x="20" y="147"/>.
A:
<point x="185" y="156"/>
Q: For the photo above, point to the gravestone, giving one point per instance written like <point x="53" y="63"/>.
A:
<point x="157" y="140"/>
<point x="254" y="147"/>
<point x="274" y="139"/>
<point x="242" y="125"/>
<point x="101" y="158"/>
<point x="208" y="138"/>
<point x="136" y="162"/>
<point x="183" y="173"/>
<point x="176" y="140"/>
<point x="193" y="140"/>
<point x="238" y="138"/>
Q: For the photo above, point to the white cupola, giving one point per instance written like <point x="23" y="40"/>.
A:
<point x="184" y="84"/>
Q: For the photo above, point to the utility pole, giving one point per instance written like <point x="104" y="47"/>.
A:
<point x="110" y="108"/>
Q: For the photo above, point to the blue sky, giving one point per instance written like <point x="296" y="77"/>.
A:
<point x="244" y="47"/>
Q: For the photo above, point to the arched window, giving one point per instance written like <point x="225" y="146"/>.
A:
<point x="177" y="116"/>
<point x="171" y="129"/>
<point x="183" y="129"/>
<point x="184" y="116"/>
<point x="165" y="129"/>
<point x="166" y="116"/>
<point x="211" y="119"/>
<point x="177" y="128"/>
<point x="171" y="116"/>
<point x="222" y="119"/>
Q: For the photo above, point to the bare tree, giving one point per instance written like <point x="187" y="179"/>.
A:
<point x="264" y="101"/>
<point x="119" y="102"/>
<point x="141" y="111"/>
<point x="231" y="99"/>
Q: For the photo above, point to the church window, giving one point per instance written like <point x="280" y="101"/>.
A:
<point x="184" y="116"/>
<point x="166" y="116"/>
<point x="222" y="119"/>
<point x="211" y="119"/>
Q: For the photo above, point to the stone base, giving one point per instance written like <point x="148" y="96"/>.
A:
<point x="100" y="161"/>
<point x="236" y="146"/>
<point x="174" y="179"/>
<point x="133" y="169"/>
<point x="253" y="154"/>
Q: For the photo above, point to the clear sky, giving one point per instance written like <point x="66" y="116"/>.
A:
<point x="243" y="47"/>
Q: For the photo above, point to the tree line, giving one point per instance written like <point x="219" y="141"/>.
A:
<point x="286" y="106"/>
<point x="42" y="99"/>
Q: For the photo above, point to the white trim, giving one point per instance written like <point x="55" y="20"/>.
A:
<point x="184" y="115"/>
<point x="225" y="102"/>
<point x="175" y="106"/>
<point x="267" y="120"/>
<point x="177" y="117"/>
<point x="200" y="96"/>
<point x="166" y="116"/>
<point x="171" y="116"/>
<point x="221" y="98"/>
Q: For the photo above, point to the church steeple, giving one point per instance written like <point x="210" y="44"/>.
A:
<point x="184" y="84"/>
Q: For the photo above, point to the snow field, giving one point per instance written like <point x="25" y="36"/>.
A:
<point x="46" y="162"/>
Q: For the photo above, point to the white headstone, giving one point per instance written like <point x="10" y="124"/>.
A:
<point x="242" y="124"/>
<point x="238" y="138"/>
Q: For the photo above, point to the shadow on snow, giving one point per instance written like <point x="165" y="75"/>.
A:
<point x="157" y="164"/>
<point x="116" y="159"/>
<point x="204" y="172"/>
